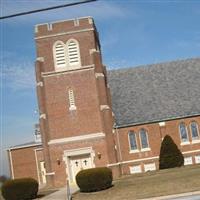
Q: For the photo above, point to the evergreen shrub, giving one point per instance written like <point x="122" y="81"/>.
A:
<point x="20" y="189"/>
<point x="170" y="155"/>
<point x="94" y="179"/>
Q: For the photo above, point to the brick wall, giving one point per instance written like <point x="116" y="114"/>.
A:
<point x="155" y="135"/>
<point x="24" y="162"/>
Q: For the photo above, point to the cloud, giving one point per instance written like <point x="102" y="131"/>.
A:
<point x="18" y="75"/>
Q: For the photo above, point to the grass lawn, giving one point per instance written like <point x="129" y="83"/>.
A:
<point x="150" y="184"/>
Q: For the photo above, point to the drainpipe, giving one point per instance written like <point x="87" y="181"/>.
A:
<point x="120" y="153"/>
<point x="11" y="164"/>
<point x="36" y="160"/>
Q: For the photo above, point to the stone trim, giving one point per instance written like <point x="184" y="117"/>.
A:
<point x="79" y="151"/>
<point x="41" y="59"/>
<point x="99" y="75"/>
<point x="66" y="71"/>
<point x="133" y="161"/>
<point x="161" y="124"/>
<point x="42" y="116"/>
<point x="24" y="146"/>
<point x="50" y="174"/>
<point x="39" y="84"/>
<point x="193" y="151"/>
<point x="64" y="33"/>
<point x="77" y="138"/>
<point x="104" y="107"/>
<point x="60" y="21"/>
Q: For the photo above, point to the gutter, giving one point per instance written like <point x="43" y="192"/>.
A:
<point x="24" y="146"/>
<point x="154" y="121"/>
<point x="120" y="153"/>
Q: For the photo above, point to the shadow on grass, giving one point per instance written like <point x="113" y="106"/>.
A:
<point x="44" y="193"/>
<point x="96" y="190"/>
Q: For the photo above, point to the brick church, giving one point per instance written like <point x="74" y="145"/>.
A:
<point x="90" y="117"/>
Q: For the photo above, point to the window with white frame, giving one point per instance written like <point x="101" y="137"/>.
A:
<point x="183" y="132"/>
<point x="132" y="141"/>
<point x="73" y="52"/>
<point x="144" y="139"/>
<point x="194" y="130"/>
<point x="59" y="54"/>
<point x="72" y="105"/>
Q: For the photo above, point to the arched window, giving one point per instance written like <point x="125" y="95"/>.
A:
<point x="59" y="54"/>
<point x="183" y="132"/>
<point x="194" y="130"/>
<point x="132" y="140"/>
<point x="73" y="52"/>
<point x="144" y="139"/>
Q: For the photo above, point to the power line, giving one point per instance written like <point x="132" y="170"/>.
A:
<point x="45" y="9"/>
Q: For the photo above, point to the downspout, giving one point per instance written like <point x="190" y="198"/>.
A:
<point x="11" y="164"/>
<point x="37" y="168"/>
<point x="120" y="153"/>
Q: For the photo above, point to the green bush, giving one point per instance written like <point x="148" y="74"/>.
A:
<point x="20" y="189"/>
<point x="170" y="155"/>
<point x="94" y="179"/>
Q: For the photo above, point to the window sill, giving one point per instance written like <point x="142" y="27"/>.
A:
<point x="185" y="143"/>
<point x="195" y="141"/>
<point x="145" y="149"/>
<point x="134" y="151"/>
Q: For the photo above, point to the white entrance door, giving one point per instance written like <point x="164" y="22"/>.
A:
<point x="43" y="172"/>
<point x="78" y="163"/>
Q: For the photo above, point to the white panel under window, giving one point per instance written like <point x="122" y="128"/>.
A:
<point x="188" y="161"/>
<point x="59" y="55"/>
<point x="197" y="159"/>
<point x="71" y="100"/>
<point x="135" y="169"/>
<point x="150" y="167"/>
<point x="73" y="52"/>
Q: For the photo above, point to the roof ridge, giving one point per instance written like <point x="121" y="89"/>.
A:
<point x="154" y="64"/>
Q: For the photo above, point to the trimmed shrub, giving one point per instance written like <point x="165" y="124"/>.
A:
<point x="20" y="189"/>
<point x="94" y="179"/>
<point x="170" y="155"/>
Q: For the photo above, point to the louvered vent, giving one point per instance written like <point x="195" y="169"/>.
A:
<point x="71" y="100"/>
<point x="60" y="55"/>
<point x="73" y="53"/>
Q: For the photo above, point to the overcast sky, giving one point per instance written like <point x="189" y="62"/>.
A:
<point x="132" y="32"/>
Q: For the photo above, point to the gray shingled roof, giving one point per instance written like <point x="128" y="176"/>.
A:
<point x="155" y="92"/>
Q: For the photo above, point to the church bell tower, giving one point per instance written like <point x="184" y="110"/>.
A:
<point x="73" y="98"/>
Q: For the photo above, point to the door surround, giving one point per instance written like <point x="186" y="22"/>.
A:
<point x="77" y="152"/>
